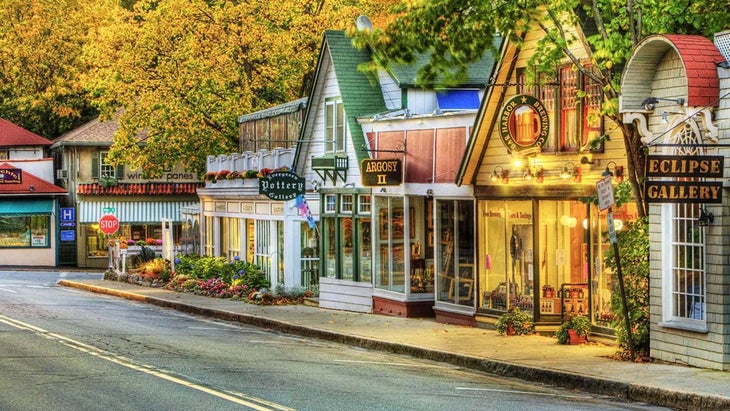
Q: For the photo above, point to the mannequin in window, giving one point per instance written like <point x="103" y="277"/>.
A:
<point x="515" y="252"/>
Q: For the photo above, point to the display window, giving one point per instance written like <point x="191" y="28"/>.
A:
<point x="346" y="237"/>
<point x="24" y="231"/>
<point x="132" y="235"/>
<point x="454" y="251"/>
<point x="547" y="257"/>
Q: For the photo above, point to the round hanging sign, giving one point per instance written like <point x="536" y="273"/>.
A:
<point x="523" y="123"/>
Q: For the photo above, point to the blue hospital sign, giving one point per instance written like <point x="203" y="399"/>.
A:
<point x="68" y="216"/>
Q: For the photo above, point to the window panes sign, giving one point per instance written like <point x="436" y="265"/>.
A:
<point x="11" y="176"/>
<point x="385" y="172"/>
<point x="281" y="185"/>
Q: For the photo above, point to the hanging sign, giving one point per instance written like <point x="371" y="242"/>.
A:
<point x="381" y="172"/>
<point x="708" y="192"/>
<point x="691" y="168"/>
<point x="11" y="176"/>
<point x="523" y="123"/>
<point x="281" y="185"/>
<point x="684" y="166"/>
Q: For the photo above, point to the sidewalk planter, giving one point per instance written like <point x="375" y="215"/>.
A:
<point x="574" y="330"/>
<point x="515" y="322"/>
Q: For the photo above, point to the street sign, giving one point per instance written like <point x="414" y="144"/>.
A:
<point x="605" y="193"/>
<point x="109" y="210"/>
<point x="68" y="235"/>
<point x="108" y="224"/>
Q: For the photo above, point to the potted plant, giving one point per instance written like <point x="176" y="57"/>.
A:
<point x="574" y="330"/>
<point x="515" y="322"/>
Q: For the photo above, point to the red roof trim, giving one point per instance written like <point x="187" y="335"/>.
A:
<point x="30" y="184"/>
<point x="700" y="58"/>
<point x="120" y="189"/>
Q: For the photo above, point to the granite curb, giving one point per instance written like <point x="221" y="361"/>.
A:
<point x="602" y="386"/>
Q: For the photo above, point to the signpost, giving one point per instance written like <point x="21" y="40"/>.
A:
<point x="607" y="201"/>
<point x="108" y="224"/>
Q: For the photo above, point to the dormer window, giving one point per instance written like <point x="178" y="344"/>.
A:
<point x="335" y="126"/>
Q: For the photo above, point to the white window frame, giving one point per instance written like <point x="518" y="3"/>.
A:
<point x="347" y="203"/>
<point x="364" y="204"/>
<point x="330" y="203"/>
<point x="335" y="126"/>
<point x="105" y="170"/>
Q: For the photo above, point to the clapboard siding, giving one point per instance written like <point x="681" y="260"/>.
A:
<point x="345" y="295"/>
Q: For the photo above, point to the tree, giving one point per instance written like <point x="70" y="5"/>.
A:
<point x="180" y="72"/>
<point x="41" y="44"/>
<point x="453" y="33"/>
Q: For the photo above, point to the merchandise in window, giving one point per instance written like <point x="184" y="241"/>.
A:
<point x="24" y="231"/>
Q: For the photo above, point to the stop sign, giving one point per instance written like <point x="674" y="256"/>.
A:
<point x="108" y="224"/>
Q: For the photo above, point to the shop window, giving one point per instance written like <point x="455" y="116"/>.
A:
<point x="455" y="252"/>
<point x="346" y="239"/>
<point x="209" y="238"/>
<point x="232" y="237"/>
<point x="346" y="203"/>
<point x="4" y="155"/>
<point x="24" y="231"/>
<point x="335" y="126"/>
<point x="573" y="102"/>
<point x="330" y="203"/>
<point x="363" y="204"/>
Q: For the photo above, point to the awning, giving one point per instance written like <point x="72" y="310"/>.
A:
<point x="132" y="211"/>
<point x="29" y="206"/>
<point x="458" y="100"/>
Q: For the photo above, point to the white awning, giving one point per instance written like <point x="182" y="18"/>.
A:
<point x="133" y="211"/>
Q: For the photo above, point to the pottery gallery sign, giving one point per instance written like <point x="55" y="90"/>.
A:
<point x="281" y="185"/>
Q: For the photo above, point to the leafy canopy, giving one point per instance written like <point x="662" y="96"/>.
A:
<point x="180" y="72"/>
<point x="456" y="32"/>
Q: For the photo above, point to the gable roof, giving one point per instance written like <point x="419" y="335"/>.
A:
<point x="360" y="96"/>
<point x="93" y="133"/>
<point x="12" y="135"/>
<point x="30" y="184"/>
<point x="477" y="73"/>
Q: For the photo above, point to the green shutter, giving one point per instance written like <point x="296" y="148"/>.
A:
<point x="119" y="172"/>
<point x="95" y="165"/>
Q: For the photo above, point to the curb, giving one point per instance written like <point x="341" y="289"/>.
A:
<point x="601" y="386"/>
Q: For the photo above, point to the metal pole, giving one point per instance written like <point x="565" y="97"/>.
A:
<point x="627" y="318"/>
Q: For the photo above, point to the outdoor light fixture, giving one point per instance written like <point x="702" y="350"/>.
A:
<point x="315" y="185"/>
<point x="500" y="174"/>
<point x="586" y="160"/>
<point x="650" y="102"/>
<point x="429" y="193"/>
<point x="618" y="171"/>
<point x="349" y="185"/>
<point x="706" y="217"/>
<point x="569" y="170"/>
<point x="528" y="174"/>
<point x="540" y="174"/>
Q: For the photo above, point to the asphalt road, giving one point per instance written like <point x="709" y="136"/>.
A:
<point x="64" y="349"/>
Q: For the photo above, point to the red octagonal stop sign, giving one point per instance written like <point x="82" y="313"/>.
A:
<point x="108" y="224"/>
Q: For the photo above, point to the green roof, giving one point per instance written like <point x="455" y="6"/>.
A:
<point x="360" y="96"/>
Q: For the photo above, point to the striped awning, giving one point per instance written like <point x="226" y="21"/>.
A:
<point x="133" y="211"/>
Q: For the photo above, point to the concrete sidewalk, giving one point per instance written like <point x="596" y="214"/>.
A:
<point x="534" y="358"/>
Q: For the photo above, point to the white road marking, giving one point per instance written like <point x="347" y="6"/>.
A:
<point x="6" y="290"/>
<point x="237" y="398"/>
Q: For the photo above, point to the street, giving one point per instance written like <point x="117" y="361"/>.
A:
<point x="67" y="349"/>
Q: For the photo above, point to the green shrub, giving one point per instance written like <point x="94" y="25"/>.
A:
<point x="519" y="321"/>
<point x="633" y="246"/>
<point x="580" y="323"/>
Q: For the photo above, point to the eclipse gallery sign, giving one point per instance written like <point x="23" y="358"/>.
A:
<point x="691" y="190"/>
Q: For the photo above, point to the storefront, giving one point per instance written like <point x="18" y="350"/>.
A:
<point x="540" y="240"/>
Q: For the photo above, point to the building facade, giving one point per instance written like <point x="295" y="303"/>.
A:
<point x="677" y="93"/>
<point x="539" y="244"/>
<point x="97" y="188"/>
<point x="238" y="221"/>
<point x="29" y="201"/>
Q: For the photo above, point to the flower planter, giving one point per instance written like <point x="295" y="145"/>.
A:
<point x="575" y="338"/>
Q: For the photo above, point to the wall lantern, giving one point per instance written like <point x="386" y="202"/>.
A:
<point x="618" y="171"/>
<point x="570" y="171"/>
<point x="500" y="174"/>
<point x="706" y="217"/>
<point x="650" y="102"/>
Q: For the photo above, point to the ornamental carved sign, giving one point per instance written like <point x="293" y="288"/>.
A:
<point x="523" y="123"/>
